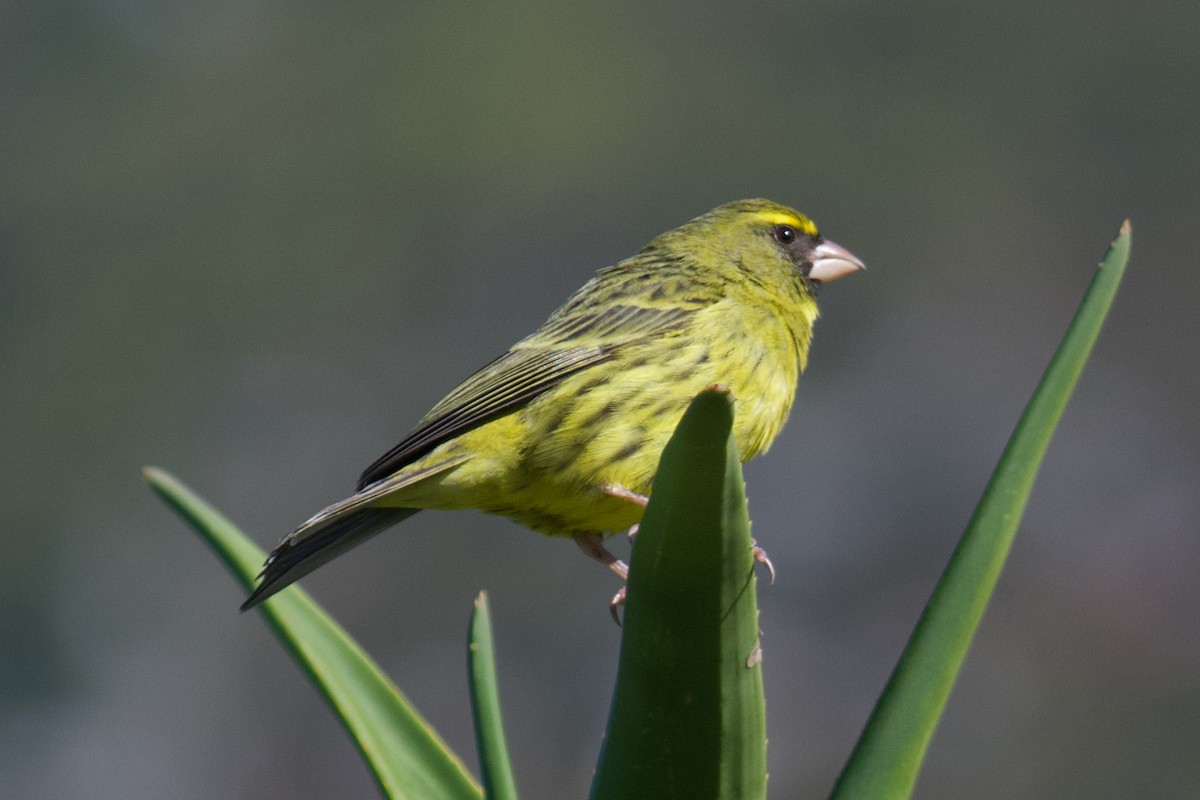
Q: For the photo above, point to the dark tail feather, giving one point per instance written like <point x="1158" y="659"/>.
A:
<point x="296" y="556"/>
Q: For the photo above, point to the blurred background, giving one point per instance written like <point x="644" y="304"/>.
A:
<point x="252" y="242"/>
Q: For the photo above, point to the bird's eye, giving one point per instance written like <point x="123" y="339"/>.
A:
<point x="784" y="234"/>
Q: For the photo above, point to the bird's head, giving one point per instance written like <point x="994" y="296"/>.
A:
<point x="767" y="241"/>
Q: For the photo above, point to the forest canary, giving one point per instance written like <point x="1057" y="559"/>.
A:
<point x="564" y="431"/>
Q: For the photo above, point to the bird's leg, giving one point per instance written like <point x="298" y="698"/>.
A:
<point x="592" y="545"/>
<point x="621" y="493"/>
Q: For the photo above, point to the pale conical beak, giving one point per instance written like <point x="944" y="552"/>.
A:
<point x="831" y="261"/>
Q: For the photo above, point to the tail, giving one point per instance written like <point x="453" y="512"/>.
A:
<point x="318" y="541"/>
<point x="335" y="530"/>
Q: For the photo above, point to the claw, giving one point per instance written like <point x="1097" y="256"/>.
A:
<point x="617" y="601"/>
<point x="760" y="557"/>
<point x="632" y="533"/>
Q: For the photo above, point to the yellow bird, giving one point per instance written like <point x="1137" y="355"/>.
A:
<point x="564" y="431"/>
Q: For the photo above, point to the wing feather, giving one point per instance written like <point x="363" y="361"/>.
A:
<point x="566" y="344"/>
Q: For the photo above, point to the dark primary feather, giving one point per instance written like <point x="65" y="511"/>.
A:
<point x="527" y="371"/>
<point x="339" y="527"/>
<point x="510" y="381"/>
<point x="295" y="558"/>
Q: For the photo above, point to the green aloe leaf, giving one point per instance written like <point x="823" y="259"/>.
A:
<point x="494" y="764"/>
<point x="406" y="756"/>
<point x="888" y="756"/>
<point x="687" y="717"/>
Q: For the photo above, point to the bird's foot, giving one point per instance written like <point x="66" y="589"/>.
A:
<point x="592" y="545"/>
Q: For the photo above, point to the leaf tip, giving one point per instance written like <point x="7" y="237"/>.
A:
<point x="1121" y="242"/>
<point x="159" y="479"/>
<point x="714" y="396"/>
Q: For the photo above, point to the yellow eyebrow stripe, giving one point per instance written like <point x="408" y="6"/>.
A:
<point x="796" y="220"/>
